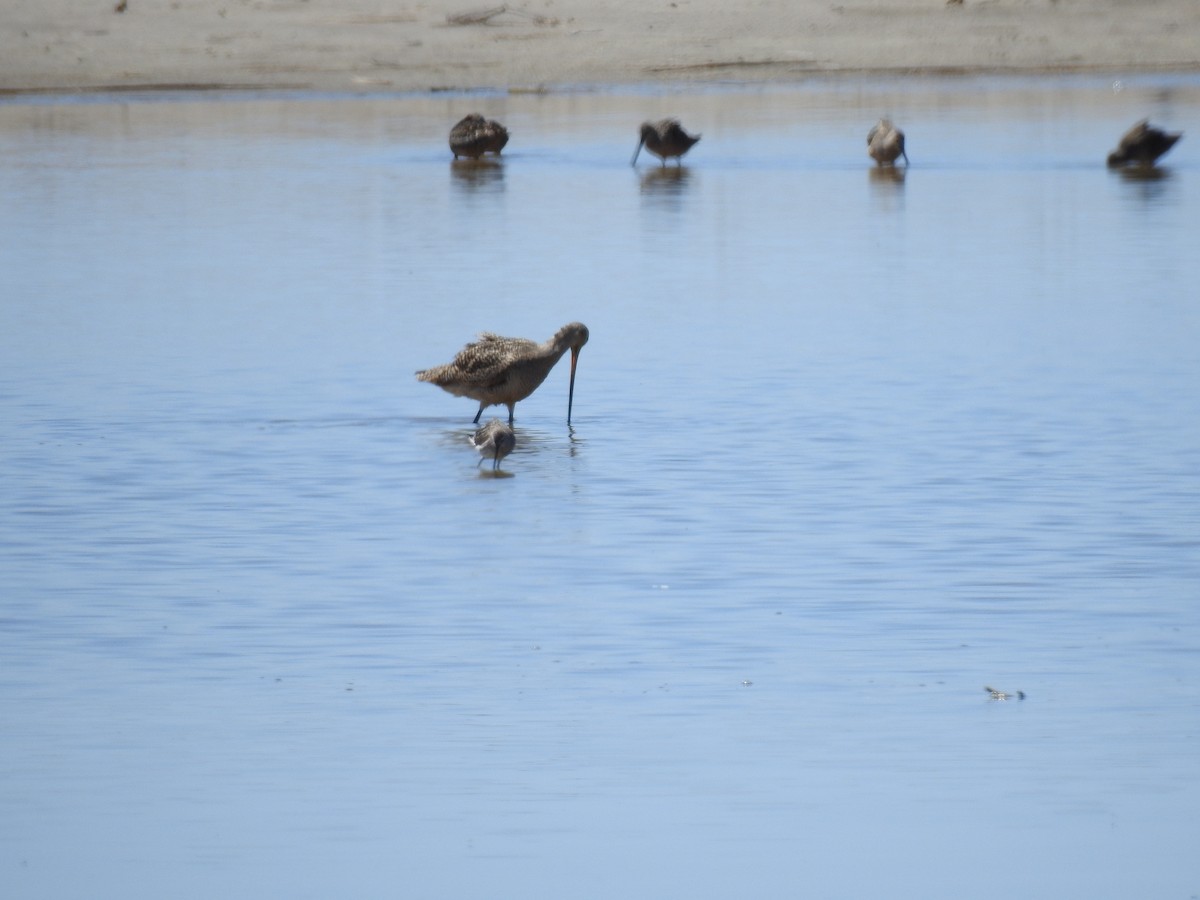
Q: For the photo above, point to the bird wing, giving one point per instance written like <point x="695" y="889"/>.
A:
<point x="1134" y="135"/>
<point x="486" y="361"/>
<point x="674" y="130"/>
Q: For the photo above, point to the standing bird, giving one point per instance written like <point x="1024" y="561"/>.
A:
<point x="495" y="439"/>
<point x="1142" y="145"/>
<point x="501" y="371"/>
<point x="664" y="138"/>
<point x="885" y="142"/>
<point x="475" y="136"/>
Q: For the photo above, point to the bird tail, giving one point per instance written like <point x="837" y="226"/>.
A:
<point x="433" y="375"/>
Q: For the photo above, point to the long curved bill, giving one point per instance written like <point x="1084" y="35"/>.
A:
<point x="571" y="389"/>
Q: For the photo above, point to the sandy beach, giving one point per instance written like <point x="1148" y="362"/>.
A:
<point x="396" y="45"/>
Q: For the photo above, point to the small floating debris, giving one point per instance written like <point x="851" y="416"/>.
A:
<point x="1004" y="695"/>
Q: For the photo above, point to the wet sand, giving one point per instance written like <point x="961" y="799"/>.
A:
<point x="371" y="45"/>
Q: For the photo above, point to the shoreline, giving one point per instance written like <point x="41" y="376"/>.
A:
<point x="949" y="73"/>
<point x="52" y="47"/>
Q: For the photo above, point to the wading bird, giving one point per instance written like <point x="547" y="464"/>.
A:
<point x="495" y="440"/>
<point x="500" y="371"/>
<point x="665" y="138"/>
<point x="885" y="142"/>
<point x="1142" y="145"/>
<point x="475" y="136"/>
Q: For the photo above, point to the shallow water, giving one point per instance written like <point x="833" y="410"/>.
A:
<point x="845" y="449"/>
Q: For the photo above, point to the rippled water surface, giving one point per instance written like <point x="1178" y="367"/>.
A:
<point x="845" y="449"/>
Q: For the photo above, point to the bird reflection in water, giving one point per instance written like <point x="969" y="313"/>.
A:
<point x="887" y="187"/>
<point x="575" y="441"/>
<point x="666" y="180"/>
<point x="665" y="188"/>
<point x="1144" y="173"/>
<point x="477" y="174"/>
<point x="1149" y="184"/>
<point x="888" y="176"/>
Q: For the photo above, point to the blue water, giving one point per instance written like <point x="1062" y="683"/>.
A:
<point x="845" y="449"/>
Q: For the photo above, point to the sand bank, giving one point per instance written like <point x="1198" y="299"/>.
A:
<point x="399" y="45"/>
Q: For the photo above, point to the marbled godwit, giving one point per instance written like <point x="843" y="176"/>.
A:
<point x="885" y="142"/>
<point x="475" y="136"/>
<point x="495" y="439"/>
<point x="664" y="138"/>
<point x="1142" y="144"/>
<point x="500" y="371"/>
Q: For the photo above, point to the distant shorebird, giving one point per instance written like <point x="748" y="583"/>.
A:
<point x="475" y="136"/>
<point x="495" y="439"/>
<point x="885" y="142"/>
<point x="500" y="371"/>
<point x="664" y="138"/>
<point x="1142" y="144"/>
<point x="1004" y="695"/>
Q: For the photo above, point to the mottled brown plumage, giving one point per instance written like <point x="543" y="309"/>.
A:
<point x="1142" y="145"/>
<point x="885" y="143"/>
<point x="474" y="136"/>
<point x="495" y="440"/>
<point x="665" y="138"/>
<point x="500" y="371"/>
